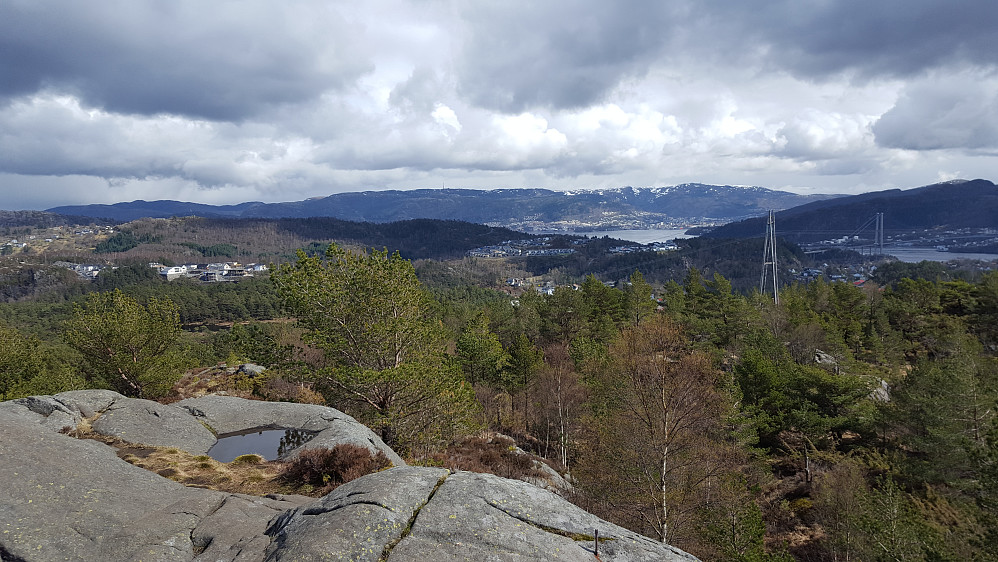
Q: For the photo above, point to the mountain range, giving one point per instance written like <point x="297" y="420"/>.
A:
<point x="522" y="209"/>
<point x="952" y="205"/>
<point x="801" y="218"/>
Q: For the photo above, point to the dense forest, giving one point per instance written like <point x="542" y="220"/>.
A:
<point x="840" y="423"/>
<point x="179" y="240"/>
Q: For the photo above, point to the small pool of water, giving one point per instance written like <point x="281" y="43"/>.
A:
<point x="268" y="443"/>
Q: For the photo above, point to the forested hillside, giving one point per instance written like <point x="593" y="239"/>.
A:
<point x="9" y="219"/>
<point x="952" y="205"/>
<point x="186" y="239"/>
<point x="842" y="423"/>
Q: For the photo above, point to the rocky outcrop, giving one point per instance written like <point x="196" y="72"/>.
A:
<point x="550" y="479"/>
<point x="194" y="424"/>
<point x="69" y="499"/>
<point x="364" y="517"/>
<point x="150" y="423"/>
<point x="228" y="414"/>
<point x="64" y="410"/>
<point x="431" y="514"/>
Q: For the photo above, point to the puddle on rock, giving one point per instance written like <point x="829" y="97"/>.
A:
<point x="270" y="444"/>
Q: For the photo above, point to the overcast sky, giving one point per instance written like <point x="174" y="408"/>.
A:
<point x="222" y="102"/>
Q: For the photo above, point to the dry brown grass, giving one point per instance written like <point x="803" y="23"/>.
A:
<point x="249" y="474"/>
<point x="246" y="474"/>
<point x="198" y="382"/>
<point x="267" y="386"/>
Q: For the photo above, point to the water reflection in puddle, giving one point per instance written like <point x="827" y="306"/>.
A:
<point x="268" y="443"/>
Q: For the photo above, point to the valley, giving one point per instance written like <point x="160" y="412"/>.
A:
<point x="570" y="351"/>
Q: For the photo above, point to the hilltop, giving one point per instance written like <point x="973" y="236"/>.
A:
<point x="952" y="205"/>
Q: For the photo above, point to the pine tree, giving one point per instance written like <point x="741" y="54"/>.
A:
<point x="373" y="319"/>
<point x="124" y="344"/>
<point x="481" y="353"/>
<point x="20" y="361"/>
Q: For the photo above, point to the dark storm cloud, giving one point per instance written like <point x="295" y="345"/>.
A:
<point x="884" y="38"/>
<point x="934" y="115"/>
<point x="174" y="57"/>
<point x="570" y="54"/>
<point x="557" y="54"/>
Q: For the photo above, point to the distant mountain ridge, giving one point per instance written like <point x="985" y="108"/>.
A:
<point x="40" y="219"/>
<point x="624" y="207"/>
<point x="953" y="204"/>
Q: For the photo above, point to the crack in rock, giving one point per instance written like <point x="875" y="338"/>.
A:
<point x="69" y="409"/>
<point x="577" y="537"/>
<point x="322" y="510"/>
<point x="412" y="520"/>
<point x="43" y="407"/>
<point x="196" y="412"/>
<point x="78" y="532"/>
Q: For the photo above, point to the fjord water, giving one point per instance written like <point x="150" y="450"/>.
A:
<point x="915" y="255"/>
<point x="908" y="254"/>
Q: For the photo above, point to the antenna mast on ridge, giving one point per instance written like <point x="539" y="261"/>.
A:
<point x="769" y="258"/>
<point x="878" y="238"/>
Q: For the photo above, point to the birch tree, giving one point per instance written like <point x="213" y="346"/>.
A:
<point x="660" y="428"/>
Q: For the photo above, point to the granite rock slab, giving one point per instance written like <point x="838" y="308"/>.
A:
<point x="229" y="414"/>
<point x="64" y="498"/>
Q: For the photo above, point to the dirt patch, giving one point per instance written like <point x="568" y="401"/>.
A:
<point x="138" y="452"/>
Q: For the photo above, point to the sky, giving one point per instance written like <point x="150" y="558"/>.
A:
<point x="229" y="101"/>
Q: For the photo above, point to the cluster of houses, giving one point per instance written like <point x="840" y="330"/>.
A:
<point x="14" y="244"/>
<point x="92" y="230"/>
<point x="17" y="244"/>
<point x="668" y="246"/>
<point x="88" y="271"/>
<point x="545" y="287"/>
<point x="855" y="274"/>
<point x="508" y="251"/>
<point x="538" y="247"/>
<point x="210" y="272"/>
<point x="11" y="245"/>
<point x="532" y="247"/>
<point x="542" y="287"/>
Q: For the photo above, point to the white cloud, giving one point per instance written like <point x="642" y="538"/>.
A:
<point x="446" y="116"/>
<point x="276" y="101"/>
